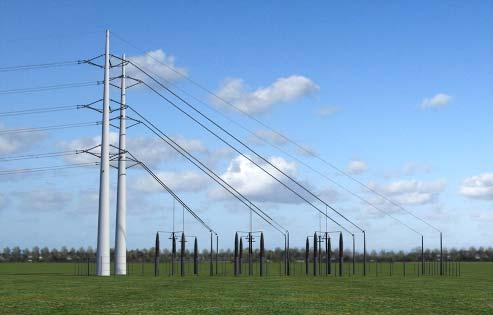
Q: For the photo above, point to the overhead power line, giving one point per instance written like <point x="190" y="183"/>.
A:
<point x="8" y="158"/>
<point x="45" y="128"/>
<point x="45" y="168"/>
<point x="242" y="154"/>
<point x="39" y="110"/>
<point x="289" y="140"/>
<point x="209" y="172"/>
<point x="50" y="87"/>
<point x="40" y="66"/>
<point x="172" y="193"/>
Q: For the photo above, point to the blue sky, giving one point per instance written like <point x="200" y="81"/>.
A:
<point x="397" y="93"/>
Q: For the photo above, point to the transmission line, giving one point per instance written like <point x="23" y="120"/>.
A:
<point x="50" y="87"/>
<point x="45" y="128"/>
<point x="172" y="193"/>
<point x="39" y="110"/>
<point x="241" y="153"/>
<point x="45" y="168"/>
<point x="289" y="140"/>
<point x="39" y="66"/>
<point x="209" y="172"/>
<point x="286" y="153"/>
<point x="8" y="158"/>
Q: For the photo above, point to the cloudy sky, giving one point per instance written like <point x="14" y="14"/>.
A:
<point x="396" y="95"/>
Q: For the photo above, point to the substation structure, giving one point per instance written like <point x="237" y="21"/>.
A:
<point x="321" y="240"/>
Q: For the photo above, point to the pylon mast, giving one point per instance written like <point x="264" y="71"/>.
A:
<point x="121" y="201"/>
<point x="103" y="247"/>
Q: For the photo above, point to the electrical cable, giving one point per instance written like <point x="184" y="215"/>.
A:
<point x="300" y="147"/>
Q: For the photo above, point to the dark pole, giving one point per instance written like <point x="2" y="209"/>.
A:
<point x="240" y="267"/>
<point x="211" y="253"/>
<point x="236" y="254"/>
<point x="287" y="256"/>
<point x="217" y="250"/>
<point x="364" y="253"/>
<point x="195" y="257"/>
<point x="250" y="253"/>
<point x="441" y="255"/>
<point x="315" y="257"/>
<point x="354" y="256"/>
<point x="422" y="256"/>
<point x="341" y="254"/>
<point x="307" y="253"/>
<point x="320" y="252"/>
<point x="329" y="254"/>
<point x="182" y="255"/>
<point x="173" y="253"/>
<point x="156" y="256"/>
<point x="261" y="254"/>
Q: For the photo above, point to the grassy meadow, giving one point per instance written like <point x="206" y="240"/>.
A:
<point x="52" y="288"/>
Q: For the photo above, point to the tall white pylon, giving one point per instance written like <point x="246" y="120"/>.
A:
<point x="121" y="199"/>
<point x="103" y="251"/>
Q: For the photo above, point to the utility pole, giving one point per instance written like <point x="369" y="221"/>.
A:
<point x="103" y="246"/>
<point x="121" y="200"/>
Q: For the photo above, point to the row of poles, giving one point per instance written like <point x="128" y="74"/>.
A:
<point x="318" y="240"/>
<point x="182" y="241"/>
<point x="103" y="239"/>
<point x="317" y="254"/>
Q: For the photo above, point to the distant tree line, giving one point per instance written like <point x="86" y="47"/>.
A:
<point x="65" y="254"/>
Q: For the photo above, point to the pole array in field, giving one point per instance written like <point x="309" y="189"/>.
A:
<point x="320" y="253"/>
<point x="195" y="257"/>
<point x="315" y="254"/>
<point x="364" y="254"/>
<point x="354" y="256"/>
<point x="307" y="255"/>
<point x="328" y="251"/>
<point x="250" y="254"/>
<point x="236" y="255"/>
<point x="103" y="246"/>
<point x="121" y="199"/>
<point x="422" y="256"/>
<point x="173" y="253"/>
<point x="182" y="255"/>
<point x="287" y="255"/>
<point x="262" y="254"/>
<point x="240" y="265"/>
<point x="217" y="251"/>
<point x="441" y="255"/>
<point x="341" y="254"/>
<point x="211" y="266"/>
<point x="156" y="256"/>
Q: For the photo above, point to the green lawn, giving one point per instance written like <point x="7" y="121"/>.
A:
<point x="52" y="289"/>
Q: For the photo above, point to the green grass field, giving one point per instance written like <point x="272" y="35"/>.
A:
<point x="53" y="289"/>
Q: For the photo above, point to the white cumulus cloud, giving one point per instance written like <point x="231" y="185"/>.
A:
<point x="159" y="63"/>
<point x="283" y="90"/>
<point x="356" y="167"/>
<point x="478" y="187"/>
<point x="256" y="185"/>
<point x="11" y="143"/>
<point x="43" y="200"/>
<point x="412" y="192"/>
<point x="439" y="100"/>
